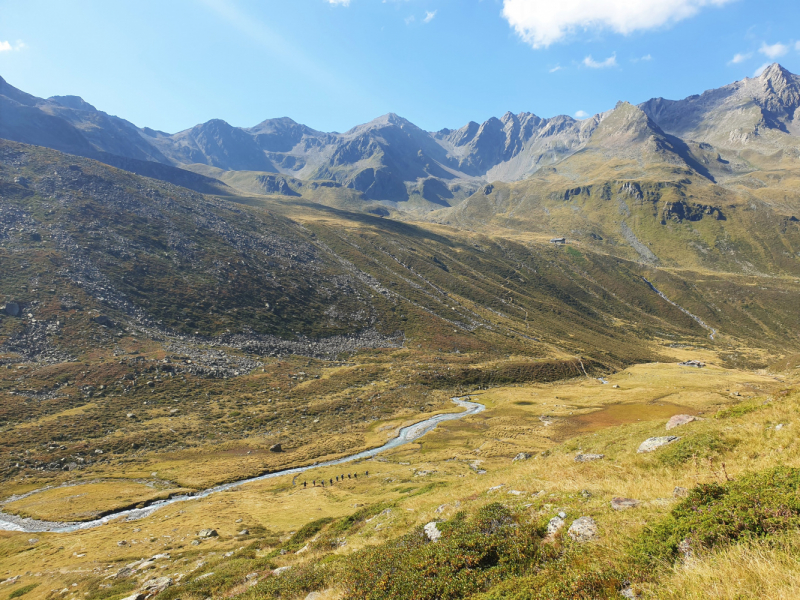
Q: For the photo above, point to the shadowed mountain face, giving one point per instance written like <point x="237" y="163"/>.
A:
<point x="722" y="133"/>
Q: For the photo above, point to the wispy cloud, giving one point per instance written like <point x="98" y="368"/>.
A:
<point x="797" y="46"/>
<point x="740" y="58"/>
<point x="283" y="50"/>
<point x="430" y="15"/>
<point x="556" y="68"/>
<point x="339" y="2"/>
<point x="541" y="23"/>
<point x="773" y="50"/>
<point x="6" y="46"/>
<point x="611" y="61"/>
<point x="645" y="58"/>
<point x="581" y="114"/>
<point x="410" y="19"/>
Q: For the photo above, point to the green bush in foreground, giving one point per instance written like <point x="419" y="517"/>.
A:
<point x="470" y="556"/>
<point x="22" y="591"/>
<point x="755" y="505"/>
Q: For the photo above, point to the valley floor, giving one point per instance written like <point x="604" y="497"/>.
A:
<point x="746" y="422"/>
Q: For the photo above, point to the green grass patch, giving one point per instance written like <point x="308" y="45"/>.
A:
<point x="22" y="591"/>
<point x="737" y="411"/>
<point x="700" y="445"/>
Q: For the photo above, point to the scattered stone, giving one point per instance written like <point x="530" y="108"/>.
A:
<point x="33" y="540"/>
<point x="678" y="420"/>
<point x="495" y="488"/>
<point x="779" y="426"/>
<point x="250" y="576"/>
<point x="195" y="542"/>
<point x="156" y="585"/>
<point x="280" y="570"/>
<point x="244" y="532"/>
<point x="589" y="457"/>
<point x="586" y="493"/>
<point x="130" y="416"/>
<point x="207" y="533"/>
<point x="135" y="596"/>
<point x="276" y="448"/>
<point x="562" y="514"/>
<point x="11" y="579"/>
<point x="12" y="309"/>
<point x="680" y="492"/>
<point x="692" y="363"/>
<point x="103" y="320"/>
<point x="440" y="508"/>
<point x="314" y="596"/>
<point x="623" y="503"/>
<point x="204" y="576"/>
<point x="122" y="543"/>
<point x="432" y="531"/>
<point x="554" y="526"/>
<point x="583" y="529"/>
<point x="515" y="492"/>
<point x="685" y="548"/>
<point x="615" y="386"/>
<point x="654" y="443"/>
<point x="629" y="593"/>
<point x="521" y="456"/>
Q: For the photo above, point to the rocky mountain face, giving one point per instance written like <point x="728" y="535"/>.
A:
<point x="723" y="132"/>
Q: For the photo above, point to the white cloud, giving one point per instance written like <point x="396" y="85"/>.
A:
<point x="581" y="114"/>
<point x="429" y="16"/>
<point x="797" y="46"/>
<point x="556" y="68"/>
<point x="6" y="46"/>
<point x="740" y="58"/>
<point x="544" y="22"/>
<point x="774" y="50"/>
<point x="339" y="2"/>
<point x="761" y="69"/>
<point x="611" y="61"/>
<point x="410" y="20"/>
<point x="646" y="57"/>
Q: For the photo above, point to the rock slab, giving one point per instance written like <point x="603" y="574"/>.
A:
<point x="623" y="503"/>
<point x="654" y="443"/>
<point x="589" y="457"/>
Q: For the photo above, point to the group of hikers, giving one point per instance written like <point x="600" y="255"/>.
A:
<point x="338" y="478"/>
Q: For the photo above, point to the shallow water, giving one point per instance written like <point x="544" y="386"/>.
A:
<point x="405" y="436"/>
<point x="621" y="414"/>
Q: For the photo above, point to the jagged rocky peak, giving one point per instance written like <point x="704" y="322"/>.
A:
<point x="779" y="88"/>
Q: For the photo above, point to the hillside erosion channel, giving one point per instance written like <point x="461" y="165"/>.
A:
<point x="406" y="435"/>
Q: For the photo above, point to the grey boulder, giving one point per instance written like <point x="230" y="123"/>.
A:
<point x="654" y="443"/>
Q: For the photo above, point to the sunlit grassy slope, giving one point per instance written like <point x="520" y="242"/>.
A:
<point x="166" y="340"/>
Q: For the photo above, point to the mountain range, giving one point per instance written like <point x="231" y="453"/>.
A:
<point x="720" y="134"/>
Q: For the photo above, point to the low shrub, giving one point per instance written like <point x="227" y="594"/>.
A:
<point x="753" y="506"/>
<point x="470" y="556"/>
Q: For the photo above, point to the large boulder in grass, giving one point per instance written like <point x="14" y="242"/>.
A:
<point x="678" y="420"/>
<point x="654" y="443"/>
<point x="583" y="529"/>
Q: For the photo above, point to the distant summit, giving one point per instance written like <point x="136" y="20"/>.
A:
<point x="391" y="159"/>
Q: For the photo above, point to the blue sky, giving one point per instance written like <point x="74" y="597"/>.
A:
<point x="333" y="64"/>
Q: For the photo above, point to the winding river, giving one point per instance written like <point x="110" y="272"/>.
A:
<point x="406" y="435"/>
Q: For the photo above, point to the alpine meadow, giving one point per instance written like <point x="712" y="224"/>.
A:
<point x="529" y="358"/>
